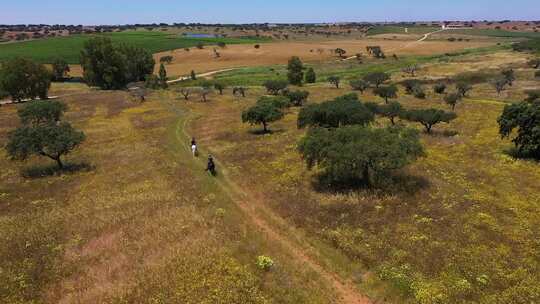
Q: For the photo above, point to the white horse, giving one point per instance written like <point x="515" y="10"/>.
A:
<point x="194" y="150"/>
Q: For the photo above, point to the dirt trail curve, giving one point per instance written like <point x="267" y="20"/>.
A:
<point x="200" y="75"/>
<point x="426" y="36"/>
<point x="253" y="205"/>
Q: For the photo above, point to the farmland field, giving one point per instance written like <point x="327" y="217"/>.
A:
<point x="68" y="48"/>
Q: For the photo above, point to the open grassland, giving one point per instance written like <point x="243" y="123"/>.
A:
<point x="420" y="30"/>
<point x="139" y="223"/>
<point x="467" y="31"/>
<point x="68" y="48"/>
<point x="459" y="226"/>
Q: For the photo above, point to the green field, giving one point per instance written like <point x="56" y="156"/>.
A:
<point x="378" y="30"/>
<point x="45" y="51"/>
<point x="495" y="33"/>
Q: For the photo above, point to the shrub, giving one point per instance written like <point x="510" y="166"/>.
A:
<point x="166" y="59"/>
<point x="193" y="75"/>
<point x="152" y="82"/>
<point x="257" y="46"/>
<point x="418" y="92"/>
<point x="392" y="111"/>
<point x="265" y="263"/>
<point x="410" y="84"/>
<point x="60" y="68"/>
<point x="532" y="95"/>
<point x="344" y="110"/>
<point x="219" y="86"/>
<point x="370" y="151"/>
<point x="463" y="88"/>
<point x="452" y="100"/>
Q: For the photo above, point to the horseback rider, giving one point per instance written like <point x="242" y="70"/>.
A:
<point x="193" y="146"/>
<point x="211" y="166"/>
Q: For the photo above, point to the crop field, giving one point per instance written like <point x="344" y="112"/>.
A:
<point x="419" y="30"/>
<point x="68" y="48"/>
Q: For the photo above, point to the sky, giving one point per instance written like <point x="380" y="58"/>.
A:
<point x="94" y="12"/>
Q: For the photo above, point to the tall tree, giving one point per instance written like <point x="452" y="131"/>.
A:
<point x="295" y="69"/>
<point x="163" y="76"/>
<point x="525" y="117"/>
<point x="263" y="112"/>
<point x="103" y="66"/>
<point x="386" y="92"/>
<point x="311" y="77"/>
<point x="24" y="79"/>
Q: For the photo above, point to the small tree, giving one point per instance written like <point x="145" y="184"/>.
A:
<point x="418" y="92"/>
<point x="205" y="91"/>
<point x="340" y="52"/>
<point x="429" y="117"/>
<point x="386" y="92"/>
<point x="344" y="110"/>
<point x="311" y="77"/>
<point x="534" y="63"/>
<point x="463" y="88"/>
<point x="193" y="75"/>
<point x="525" y="117"/>
<point x="509" y="75"/>
<point x="376" y="78"/>
<point x="298" y="98"/>
<point x="60" y="69"/>
<point x="262" y="113"/>
<point x="334" y="80"/>
<point x="410" y="85"/>
<point x="411" y="70"/>
<point x="24" y="79"/>
<point x="499" y="84"/>
<point x="162" y="76"/>
<point x="439" y="88"/>
<point x="219" y="86"/>
<point x="295" y="69"/>
<point x="359" y="85"/>
<point x="275" y="87"/>
<point x="42" y="134"/>
<point x="353" y="153"/>
<point x="239" y="91"/>
<point x="185" y="92"/>
<point x="452" y="100"/>
<point x="391" y="110"/>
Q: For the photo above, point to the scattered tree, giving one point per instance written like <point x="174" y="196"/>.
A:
<point x="359" y="85"/>
<point x="163" y="76"/>
<point x="185" y="92"/>
<point x="411" y="70"/>
<point x="353" y="153"/>
<point x="532" y="95"/>
<point x="340" y="52"/>
<point x="525" y="117"/>
<point x="334" y="80"/>
<point x="452" y="100"/>
<point x="344" y="110"/>
<point x="42" y="133"/>
<point x="499" y="84"/>
<point x="166" y="59"/>
<point x="391" y="110"/>
<point x="410" y="85"/>
<point x="463" y="88"/>
<point x="275" y="87"/>
<point x="193" y="75"/>
<point x="429" y="117"/>
<point x="239" y="91"/>
<point x="205" y="91"/>
<point x="376" y="78"/>
<point x="24" y="79"/>
<point x="263" y="112"/>
<point x="386" y="92"/>
<point x="509" y="75"/>
<point x="418" y="92"/>
<point x="295" y="69"/>
<point x="219" y="86"/>
<point x="298" y="98"/>
<point x="60" y="69"/>
<point x="311" y="77"/>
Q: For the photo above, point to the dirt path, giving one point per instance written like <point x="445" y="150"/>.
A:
<point x="254" y="206"/>
<point x="200" y="75"/>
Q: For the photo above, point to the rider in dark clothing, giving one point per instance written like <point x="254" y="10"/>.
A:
<point x="211" y="166"/>
<point x="193" y="142"/>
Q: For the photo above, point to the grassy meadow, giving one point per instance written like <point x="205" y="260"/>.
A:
<point x="68" y="48"/>
<point x="459" y="226"/>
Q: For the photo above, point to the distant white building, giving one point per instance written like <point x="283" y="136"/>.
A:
<point x="452" y="26"/>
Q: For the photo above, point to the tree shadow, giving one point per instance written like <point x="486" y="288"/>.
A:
<point x="391" y="183"/>
<point x="515" y="153"/>
<point x="268" y="132"/>
<point x="41" y="171"/>
<point x="444" y="133"/>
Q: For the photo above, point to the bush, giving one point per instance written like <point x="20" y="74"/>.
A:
<point x="264" y="262"/>
<point x="166" y="59"/>
<point x="359" y="85"/>
<point x="334" y="80"/>
<point x="386" y="92"/>
<point x="410" y="84"/>
<point x="376" y="79"/>
<point x="298" y="98"/>
<point x="419" y="92"/>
